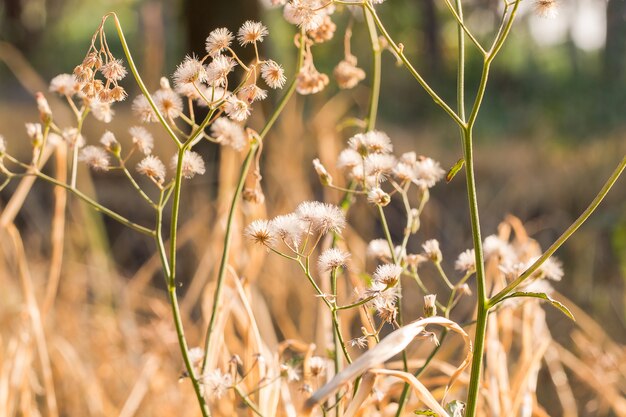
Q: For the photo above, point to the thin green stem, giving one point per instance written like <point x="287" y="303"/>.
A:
<point x="566" y="235"/>
<point x="399" y="51"/>
<point x="458" y="15"/>
<point x="247" y="402"/>
<point x="231" y="214"/>
<point x="140" y="83"/>
<point x="375" y="71"/>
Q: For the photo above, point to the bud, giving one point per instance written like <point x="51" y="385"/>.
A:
<point x="164" y="83"/>
<point x="44" y="108"/>
<point x="430" y="305"/>
<point x="322" y="173"/>
<point x="379" y="197"/>
<point x="415" y="220"/>
<point x="34" y="132"/>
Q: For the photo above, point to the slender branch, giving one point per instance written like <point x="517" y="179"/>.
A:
<point x="566" y="235"/>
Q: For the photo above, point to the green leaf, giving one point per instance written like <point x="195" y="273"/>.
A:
<point x="425" y="413"/>
<point x="455" y="169"/>
<point x="542" y="296"/>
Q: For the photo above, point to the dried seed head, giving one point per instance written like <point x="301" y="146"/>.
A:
<point x="332" y="258"/>
<point x="229" y="133"/>
<point x="387" y="274"/>
<point x="321" y="217"/>
<point x="259" y="231"/>
<point x="466" y="262"/>
<point x="251" y="32"/>
<point x="310" y="81"/>
<point x="546" y="8"/>
<point x="432" y="251"/>
<point x="378" y="196"/>
<point x="218" y="40"/>
<point x="324" y="32"/>
<point x="113" y="70"/>
<point x="273" y="74"/>
<point x="96" y="157"/>
<point x="192" y="164"/>
<point x="237" y="109"/>
<point x="152" y="167"/>
<point x="189" y="71"/>
<point x="347" y="74"/>
<point x="142" y="139"/>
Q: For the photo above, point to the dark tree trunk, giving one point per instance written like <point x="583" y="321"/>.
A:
<point x="615" y="49"/>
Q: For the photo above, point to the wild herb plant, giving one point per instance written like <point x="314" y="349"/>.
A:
<point x="501" y="267"/>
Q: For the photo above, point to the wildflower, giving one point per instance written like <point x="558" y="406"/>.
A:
<point x="65" y="85"/>
<point x="371" y="142"/>
<point x="289" y="228"/>
<point x="379" y="164"/>
<point x="189" y="71"/>
<point x="378" y="196"/>
<point x="251" y="93"/>
<point x="321" y="217"/>
<point x="113" y="70"/>
<point x="237" y="109"/>
<point x="273" y="74"/>
<point x="332" y="258"/>
<point x="251" y="32"/>
<point x="217" y="383"/>
<point x="195" y="355"/>
<point x="347" y="74"/>
<point x="142" y="139"/>
<point x="259" y="231"/>
<point x="141" y="106"/>
<point x="428" y="172"/>
<point x="192" y="164"/>
<point x="311" y="81"/>
<point x="110" y="143"/>
<point x="228" y="133"/>
<point x="218" y="40"/>
<point x="304" y="13"/>
<point x="95" y="157"/>
<point x="102" y="111"/>
<point x="432" y="251"/>
<point x="44" y="108"/>
<point x="322" y="173"/>
<point x="324" y="32"/>
<point x="466" y="262"/>
<point x="169" y="103"/>
<point x="349" y="158"/>
<point x="387" y="274"/>
<point x="219" y="68"/>
<point x="152" y="167"/>
<point x="430" y="305"/>
<point x="546" y="8"/>
<point x="379" y="249"/>
<point x="360" y="342"/>
<point x="404" y="172"/>
<point x="317" y="365"/>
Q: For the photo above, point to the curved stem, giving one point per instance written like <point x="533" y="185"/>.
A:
<point x="375" y="72"/>
<point x="566" y="235"/>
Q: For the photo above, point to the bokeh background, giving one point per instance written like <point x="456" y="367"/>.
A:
<point x="551" y="130"/>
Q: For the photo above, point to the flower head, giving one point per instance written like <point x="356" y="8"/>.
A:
<point x="332" y="258"/>
<point x="218" y="40"/>
<point x="371" y="142"/>
<point x="259" y="231"/>
<point x="321" y="217"/>
<point x="427" y="172"/>
<point x="102" y="111"/>
<point x="347" y="74"/>
<point x="141" y="107"/>
<point x="229" y="133"/>
<point x="387" y="274"/>
<point x="169" y="103"/>
<point x="546" y="8"/>
<point x="96" y="157"/>
<point x="237" y="109"/>
<point x="217" y="383"/>
<point x="152" y="167"/>
<point x="189" y="71"/>
<point x="273" y="74"/>
<point x="65" y="84"/>
<point x="466" y="262"/>
<point x="192" y="164"/>
<point x="113" y="70"/>
<point x="219" y="68"/>
<point x="432" y="251"/>
<point x="251" y="32"/>
<point x="289" y="228"/>
<point x="142" y="139"/>
<point x="109" y="142"/>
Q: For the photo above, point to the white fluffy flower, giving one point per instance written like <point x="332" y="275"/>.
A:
<point x="466" y="262"/>
<point x="332" y="258"/>
<point x="96" y="157"/>
<point x="142" y="139"/>
<point x="321" y="217"/>
<point x="218" y="40"/>
<point x="192" y="164"/>
<point x="251" y="32"/>
<point x="273" y="74"/>
<point x="152" y="167"/>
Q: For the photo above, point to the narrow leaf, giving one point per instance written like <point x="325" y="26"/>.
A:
<point x="543" y="296"/>
<point x="455" y="169"/>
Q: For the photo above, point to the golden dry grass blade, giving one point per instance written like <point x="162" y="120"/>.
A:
<point x="141" y="387"/>
<point x="364" y="391"/>
<point x="35" y="318"/>
<point x="57" y="233"/>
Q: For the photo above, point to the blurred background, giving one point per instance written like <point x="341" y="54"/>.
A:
<point x="551" y="130"/>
